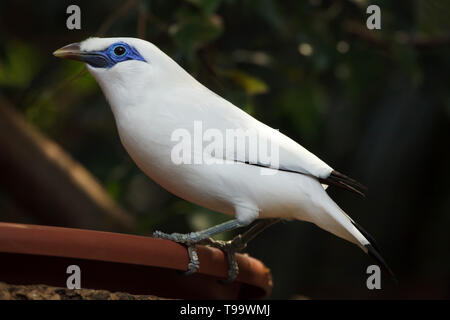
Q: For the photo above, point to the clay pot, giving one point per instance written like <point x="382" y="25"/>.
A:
<point x="32" y="254"/>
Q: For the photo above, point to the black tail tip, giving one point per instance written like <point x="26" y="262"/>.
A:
<point x="371" y="251"/>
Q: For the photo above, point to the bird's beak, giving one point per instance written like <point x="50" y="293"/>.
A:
<point x="71" y="51"/>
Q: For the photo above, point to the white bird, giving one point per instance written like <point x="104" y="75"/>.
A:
<point x="151" y="97"/>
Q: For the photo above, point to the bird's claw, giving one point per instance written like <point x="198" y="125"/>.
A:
<point x="191" y="239"/>
<point x="194" y="262"/>
<point x="229" y="248"/>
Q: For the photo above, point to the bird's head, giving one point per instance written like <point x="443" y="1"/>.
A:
<point x="125" y="67"/>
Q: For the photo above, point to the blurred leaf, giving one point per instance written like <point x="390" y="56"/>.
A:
<point x="193" y="32"/>
<point x="302" y="105"/>
<point x="50" y="105"/>
<point x="83" y="85"/>
<point x="114" y="188"/>
<point x="21" y="64"/>
<point x="43" y="113"/>
<point x="250" y="84"/>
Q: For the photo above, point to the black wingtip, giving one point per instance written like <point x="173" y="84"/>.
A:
<point x="343" y="177"/>
<point x="341" y="180"/>
<point x="371" y="251"/>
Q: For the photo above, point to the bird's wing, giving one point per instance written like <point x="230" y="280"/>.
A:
<point x="288" y="155"/>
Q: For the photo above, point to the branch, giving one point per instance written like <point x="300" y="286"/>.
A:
<point x="44" y="179"/>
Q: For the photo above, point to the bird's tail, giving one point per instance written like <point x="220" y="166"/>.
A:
<point x="372" y="249"/>
<point x="340" y="224"/>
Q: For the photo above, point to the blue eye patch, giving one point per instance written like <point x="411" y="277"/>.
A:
<point x="115" y="53"/>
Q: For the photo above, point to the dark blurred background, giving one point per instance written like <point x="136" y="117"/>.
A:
<point x="374" y="104"/>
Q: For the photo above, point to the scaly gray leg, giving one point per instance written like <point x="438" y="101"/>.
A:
<point x="238" y="243"/>
<point x="193" y="238"/>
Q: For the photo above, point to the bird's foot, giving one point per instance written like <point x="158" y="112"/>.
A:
<point x="189" y="240"/>
<point x="229" y="248"/>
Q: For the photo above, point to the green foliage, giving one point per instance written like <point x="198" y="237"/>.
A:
<point x="193" y="31"/>
<point x="20" y="65"/>
<point x="303" y="104"/>
<point x="250" y="84"/>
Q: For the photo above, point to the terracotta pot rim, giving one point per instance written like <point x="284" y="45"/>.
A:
<point x="126" y="249"/>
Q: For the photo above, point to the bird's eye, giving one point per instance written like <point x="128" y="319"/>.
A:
<point x="119" y="51"/>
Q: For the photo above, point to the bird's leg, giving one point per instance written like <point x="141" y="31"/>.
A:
<point x="238" y="243"/>
<point x="193" y="238"/>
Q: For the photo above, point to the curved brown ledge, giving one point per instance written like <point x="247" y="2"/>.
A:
<point x="33" y="254"/>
